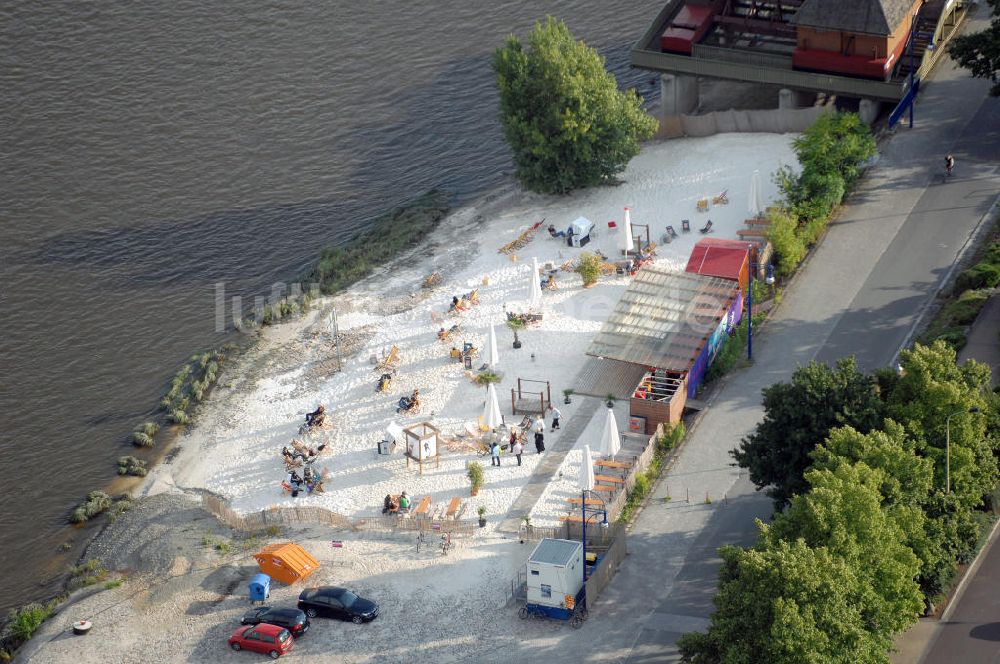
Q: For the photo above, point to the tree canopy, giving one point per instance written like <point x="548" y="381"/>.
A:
<point x="567" y="123"/>
<point x="979" y="52"/>
<point x="798" y="416"/>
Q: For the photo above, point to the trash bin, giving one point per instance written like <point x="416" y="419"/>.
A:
<point x="260" y="587"/>
<point x="384" y="447"/>
<point x="468" y="362"/>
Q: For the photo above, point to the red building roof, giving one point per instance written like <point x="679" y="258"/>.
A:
<point x="719" y="258"/>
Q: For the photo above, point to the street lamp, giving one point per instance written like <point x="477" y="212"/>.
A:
<point x="594" y="512"/>
<point x="947" y="446"/>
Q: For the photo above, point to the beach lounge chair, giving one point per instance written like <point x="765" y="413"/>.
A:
<point x="707" y="228"/>
<point x="685" y="225"/>
<point x="721" y="199"/>
<point x="702" y="205"/>
<point x="669" y="236"/>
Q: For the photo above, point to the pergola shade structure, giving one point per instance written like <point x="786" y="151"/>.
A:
<point x="664" y="318"/>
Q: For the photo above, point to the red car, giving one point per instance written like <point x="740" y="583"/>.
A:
<point x="268" y="639"/>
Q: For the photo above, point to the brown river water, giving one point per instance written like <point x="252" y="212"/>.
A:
<point x="152" y="150"/>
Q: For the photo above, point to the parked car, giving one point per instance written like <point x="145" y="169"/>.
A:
<point x="268" y="639"/>
<point x="294" y="620"/>
<point x="334" y="602"/>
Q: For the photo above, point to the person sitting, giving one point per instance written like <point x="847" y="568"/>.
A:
<point x="454" y="304"/>
<point x="550" y="283"/>
<point x="317" y="417"/>
<point x="404" y="502"/>
<point x="294" y="479"/>
<point x="554" y="233"/>
<point x="383" y="382"/>
<point x="308" y="476"/>
<point x="389" y="504"/>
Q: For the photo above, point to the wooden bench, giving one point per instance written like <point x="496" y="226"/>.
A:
<point x="575" y="518"/>
<point x="751" y="232"/>
<point x="757" y="222"/>
<point x="590" y="501"/>
<point x="453" y="506"/>
<point x="423" y="507"/>
<point x="608" y="479"/>
<point x="608" y="463"/>
<point x="605" y="488"/>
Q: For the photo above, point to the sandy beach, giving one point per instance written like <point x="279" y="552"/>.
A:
<point x="234" y="449"/>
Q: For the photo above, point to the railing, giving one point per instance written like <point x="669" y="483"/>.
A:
<point x="741" y="56"/>
<point x="601" y="575"/>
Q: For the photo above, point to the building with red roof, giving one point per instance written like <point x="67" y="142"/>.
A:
<point x="727" y="259"/>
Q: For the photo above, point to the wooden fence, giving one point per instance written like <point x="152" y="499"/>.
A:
<point x="314" y="515"/>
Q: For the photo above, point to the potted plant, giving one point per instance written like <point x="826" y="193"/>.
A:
<point x="482" y="516"/>
<point x="588" y="266"/>
<point x="476" y="477"/>
<point x="610" y="400"/>
<point x="515" y="324"/>
<point x="568" y="392"/>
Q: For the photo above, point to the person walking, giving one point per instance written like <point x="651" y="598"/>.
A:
<point x="517" y="448"/>
<point x="949" y="164"/>
<point x="539" y="442"/>
<point x="555" y="415"/>
<point x="540" y="424"/>
<point x="495" y="453"/>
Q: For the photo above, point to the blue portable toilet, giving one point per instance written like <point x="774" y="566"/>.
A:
<point x="260" y="587"/>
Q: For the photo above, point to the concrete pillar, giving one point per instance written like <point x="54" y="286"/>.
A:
<point x="785" y="99"/>
<point x="868" y="110"/>
<point x="678" y="94"/>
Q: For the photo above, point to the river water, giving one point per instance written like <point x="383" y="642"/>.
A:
<point x="153" y="150"/>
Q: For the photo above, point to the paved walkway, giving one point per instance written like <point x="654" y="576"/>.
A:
<point x="984" y="338"/>
<point x="862" y="292"/>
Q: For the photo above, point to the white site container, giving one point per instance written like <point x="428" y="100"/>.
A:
<point x="555" y="571"/>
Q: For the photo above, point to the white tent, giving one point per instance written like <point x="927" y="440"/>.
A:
<point x="492" y="357"/>
<point x="611" y="441"/>
<point x="626" y="243"/>
<point x="536" y="284"/>
<point x="491" y="410"/>
<point x="756" y="195"/>
<point x="587" y="471"/>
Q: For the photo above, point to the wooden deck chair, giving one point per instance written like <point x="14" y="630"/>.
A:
<point x="707" y="228"/>
<point x="669" y="236"/>
<point x="685" y="225"/>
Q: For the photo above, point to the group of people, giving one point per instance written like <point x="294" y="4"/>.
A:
<point x="410" y="404"/>
<point x="465" y="302"/>
<point x="395" y="504"/>
<point x="517" y="447"/>
<point x="310" y="481"/>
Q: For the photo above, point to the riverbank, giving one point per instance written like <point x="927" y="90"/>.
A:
<point x="234" y="449"/>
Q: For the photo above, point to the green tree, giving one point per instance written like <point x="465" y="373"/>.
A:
<point x="980" y="51"/>
<point x="932" y="388"/>
<point x="785" y="603"/>
<point x="798" y="416"/>
<point x="567" y="123"/>
<point x="843" y="512"/>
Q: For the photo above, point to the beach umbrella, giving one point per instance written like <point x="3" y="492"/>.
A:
<point x="491" y="411"/>
<point x="626" y="243"/>
<point x="587" y="471"/>
<point x="611" y="442"/>
<point x="536" y="285"/>
<point x="756" y="195"/>
<point x="493" y="357"/>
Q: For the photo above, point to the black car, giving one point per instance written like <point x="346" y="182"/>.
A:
<point x="333" y="602"/>
<point x="293" y="620"/>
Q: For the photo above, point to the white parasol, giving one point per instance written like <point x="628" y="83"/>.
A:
<point x="611" y="441"/>
<point x="493" y="357"/>
<point x="491" y="410"/>
<point x="756" y="195"/>
<point x="536" y="285"/>
<point x="587" y="470"/>
<point x="626" y="243"/>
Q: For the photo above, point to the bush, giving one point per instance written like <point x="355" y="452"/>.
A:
<point x="25" y="621"/>
<point x="486" y="377"/>
<point x="641" y="487"/>
<point x="86" y="574"/>
<point x="980" y="275"/>
<point x="403" y="227"/>
<point x="588" y="266"/>
<point x="95" y="503"/>
<point x="178" y="417"/>
<point x="129" y="465"/>
<point x="140" y="439"/>
<point x="964" y="310"/>
<point x="788" y="246"/>
<point x="149" y="428"/>
<point x="476" y="476"/>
